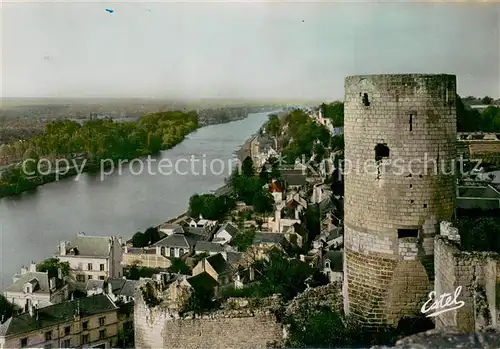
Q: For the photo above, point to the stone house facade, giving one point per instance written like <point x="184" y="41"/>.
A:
<point x="85" y="322"/>
<point x="92" y="257"/>
<point x="32" y="287"/>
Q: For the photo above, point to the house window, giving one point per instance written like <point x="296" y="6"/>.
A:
<point x="90" y="277"/>
<point x="101" y="277"/>
<point x="85" y="325"/>
<point x="80" y="278"/>
<point x="24" y="342"/>
<point x="89" y="266"/>
<point x="67" y="331"/>
<point x="181" y="252"/>
<point x="66" y="343"/>
<point x="102" y="334"/>
<point x="172" y="252"/>
<point x="85" y="338"/>
<point x="102" y="320"/>
<point x="162" y="251"/>
<point x="327" y="264"/>
<point x="101" y="267"/>
<point x="48" y="336"/>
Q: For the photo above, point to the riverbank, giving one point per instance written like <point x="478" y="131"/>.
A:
<point x="23" y="184"/>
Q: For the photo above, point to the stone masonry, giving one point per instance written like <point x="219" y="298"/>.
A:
<point x="159" y="327"/>
<point x="478" y="273"/>
<point x="400" y="148"/>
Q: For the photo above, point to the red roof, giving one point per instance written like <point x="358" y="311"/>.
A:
<point x="275" y="188"/>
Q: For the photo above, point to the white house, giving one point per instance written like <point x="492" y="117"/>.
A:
<point x="174" y="246"/>
<point x="203" y="223"/>
<point x="32" y="287"/>
<point x="92" y="257"/>
<point x="225" y="234"/>
<point x="333" y="265"/>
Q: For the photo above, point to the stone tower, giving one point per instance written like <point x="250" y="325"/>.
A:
<point x="397" y="127"/>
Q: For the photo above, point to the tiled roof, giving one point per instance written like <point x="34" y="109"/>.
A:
<point x="197" y="231"/>
<point x="176" y="228"/>
<point x="478" y="192"/>
<point x="202" y="281"/>
<point x="41" y="278"/>
<point x="94" y="284"/>
<point x="92" y="246"/>
<point x="206" y="246"/>
<point x="123" y="287"/>
<point x="267" y="238"/>
<point x="57" y="313"/>
<point x="294" y="177"/>
<point x="229" y="228"/>
<point x="174" y="240"/>
<point x="219" y="264"/>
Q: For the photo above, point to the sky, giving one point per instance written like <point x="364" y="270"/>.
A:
<point x="272" y="50"/>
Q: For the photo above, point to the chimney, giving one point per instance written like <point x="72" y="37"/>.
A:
<point x="24" y="270"/>
<point x="62" y="248"/>
<point x="110" y="287"/>
<point x="33" y="267"/>
<point x="52" y="283"/>
<point x="277" y="219"/>
<point x="125" y="249"/>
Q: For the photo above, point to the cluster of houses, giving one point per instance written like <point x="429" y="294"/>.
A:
<point x="101" y="313"/>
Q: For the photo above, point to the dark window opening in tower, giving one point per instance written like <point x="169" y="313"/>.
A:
<point x="366" y="102"/>
<point x="411" y="122"/>
<point x="381" y="151"/>
<point x="407" y="233"/>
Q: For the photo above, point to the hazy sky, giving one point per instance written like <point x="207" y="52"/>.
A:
<point x="236" y="49"/>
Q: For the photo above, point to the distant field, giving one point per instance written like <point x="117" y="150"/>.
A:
<point x="9" y="103"/>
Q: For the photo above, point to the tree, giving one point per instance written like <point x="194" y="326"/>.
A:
<point x="140" y="240"/>
<point x="319" y="152"/>
<point x="7" y="309"/>
<point x="283" y="275"/>
<point x="479" y="233"/>
<point x="335" y="112"/>
<point x="243" y="239"/>
<point x="468" y="120"/>
<point x="312" y="218"/>
<point x="152" y="234"/>
<point x="247" y="168"/>
<point x="486" y="100"/>
<point x="200" y="300"/>
<point x="275" y="168"/>
<point x="179" y="267"/>
<point x="263" y="202"/>
<point x="52" y="266"/>
<point x="210" y="206"/>
<point x="264" y="175"/>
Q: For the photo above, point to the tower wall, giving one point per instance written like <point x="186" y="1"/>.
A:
<point x="396" y="128"/>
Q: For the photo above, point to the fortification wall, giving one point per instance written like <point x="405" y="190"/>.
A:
<point x="478" y="273"/>
<point x="397" y="129"/>
<point x="158" y="327"/>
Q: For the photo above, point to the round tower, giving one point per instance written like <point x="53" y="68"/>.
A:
<point x="400" y="151"/>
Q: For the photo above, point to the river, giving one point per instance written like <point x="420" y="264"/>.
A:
<point x="32" y="224"/>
